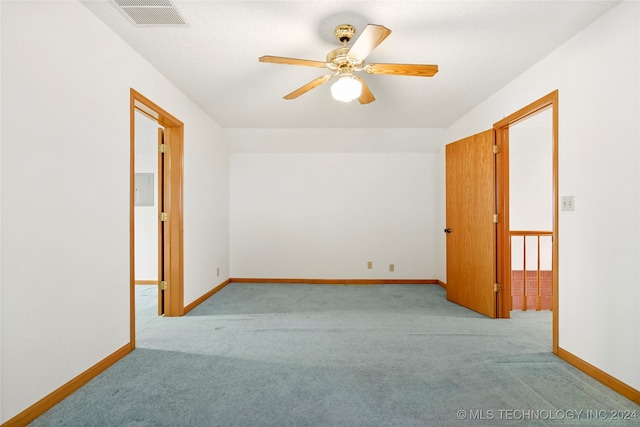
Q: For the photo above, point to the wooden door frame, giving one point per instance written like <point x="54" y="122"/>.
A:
<point x="174" y="170"/>
<point x="502" y="206"/>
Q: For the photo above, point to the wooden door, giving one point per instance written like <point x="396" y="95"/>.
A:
<point x="162" y="235"/>
<point x="471" y="231"/>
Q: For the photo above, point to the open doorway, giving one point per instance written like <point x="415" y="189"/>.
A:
<point x="527" y="205"/>
<point x="531" y="212"/>
<point x="148" y="305"/>
<point x="165" y="213"/>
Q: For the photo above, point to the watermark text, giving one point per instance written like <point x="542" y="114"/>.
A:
<point x="547" y="414"/>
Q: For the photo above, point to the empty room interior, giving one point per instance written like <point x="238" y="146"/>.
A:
<point x="319" y="212"/>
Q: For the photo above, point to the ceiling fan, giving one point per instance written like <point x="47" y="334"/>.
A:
<point x="344" y="62"/>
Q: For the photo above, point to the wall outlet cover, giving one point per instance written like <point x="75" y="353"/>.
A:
<point x="568" y="203"/>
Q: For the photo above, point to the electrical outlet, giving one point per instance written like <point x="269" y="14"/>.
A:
<point x="392" y="267"/>
<point x="369" y="265"/>
<point x="218" y="271"/>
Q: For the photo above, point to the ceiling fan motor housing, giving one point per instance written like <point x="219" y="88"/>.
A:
<point x="339" y="56"/>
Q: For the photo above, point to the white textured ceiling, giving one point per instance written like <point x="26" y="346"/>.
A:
<point x="479" y="47"/>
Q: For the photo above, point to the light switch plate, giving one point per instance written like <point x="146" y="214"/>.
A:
<point x="568" y="203"/>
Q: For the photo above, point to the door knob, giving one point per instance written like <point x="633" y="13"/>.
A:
<point x="447" y="230"/>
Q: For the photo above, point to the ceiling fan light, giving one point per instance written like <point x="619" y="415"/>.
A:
<point x="346" y="89"/>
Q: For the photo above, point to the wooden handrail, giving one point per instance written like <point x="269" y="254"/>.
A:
<point x="530" y="233"/>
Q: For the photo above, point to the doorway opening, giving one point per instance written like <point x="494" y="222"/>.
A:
<point x="527" y="205"/>
<point x="531" y="212"/>
<point x="161" y="194"/>
<point x="149" y="303"/>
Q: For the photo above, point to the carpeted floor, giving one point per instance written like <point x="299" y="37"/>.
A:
<point x="319" y="355"/>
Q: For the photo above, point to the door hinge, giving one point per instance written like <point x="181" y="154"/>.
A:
<point x="497" y="287"/>
<point x="163" y="216"/>
<point x="163" y="148"/>
<point x="497" y="149"/>
<point x="496" y="218"/>
<point x="163" y="285"/>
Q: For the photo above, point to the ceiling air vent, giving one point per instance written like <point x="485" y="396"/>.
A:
<point x="151" y="12"/>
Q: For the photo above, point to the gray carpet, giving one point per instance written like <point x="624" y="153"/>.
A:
<point x="318" y="355"/>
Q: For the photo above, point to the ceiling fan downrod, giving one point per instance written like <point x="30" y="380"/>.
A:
<point x="345" y="33"/>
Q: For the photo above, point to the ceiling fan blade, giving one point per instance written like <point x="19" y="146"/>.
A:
<point x="370" y="38"/>
<point x="292" y="61"/>
<point x="366" y="96"/>
<point x="420" y="70"/>
<point x="306" y="88"/>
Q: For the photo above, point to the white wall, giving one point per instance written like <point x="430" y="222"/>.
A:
<point x="597" y="75"/>
<point x="206" y="204"/>
<point x="65" y="194"/>
<point x="304" y="206"/>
